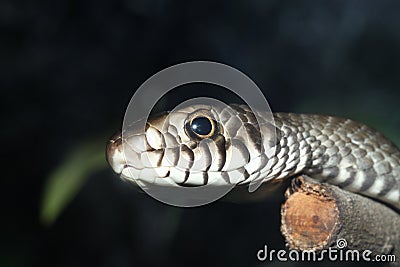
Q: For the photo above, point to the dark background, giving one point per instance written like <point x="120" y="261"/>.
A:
<point x="69" y="69"/>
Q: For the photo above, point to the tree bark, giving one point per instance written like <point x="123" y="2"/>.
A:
<point x="320" y="216"/>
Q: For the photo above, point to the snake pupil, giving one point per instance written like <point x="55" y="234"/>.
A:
<point x="201" y="126"/>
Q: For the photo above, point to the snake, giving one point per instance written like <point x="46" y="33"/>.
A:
<point x="234" y="145"/>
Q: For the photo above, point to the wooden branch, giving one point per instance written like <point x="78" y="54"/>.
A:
<point x="316" y="215"/>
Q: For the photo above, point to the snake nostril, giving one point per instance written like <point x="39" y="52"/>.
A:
<point x="115" y="137"/>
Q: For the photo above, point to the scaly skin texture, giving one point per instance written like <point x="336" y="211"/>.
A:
<point x="329" y="149"/>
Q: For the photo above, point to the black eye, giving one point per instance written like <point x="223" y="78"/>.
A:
<point x="201" y="126"/>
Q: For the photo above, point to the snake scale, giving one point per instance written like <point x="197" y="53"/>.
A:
<point x="201" y="144"/>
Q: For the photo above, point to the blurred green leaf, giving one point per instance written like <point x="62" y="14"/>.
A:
<point x="66" y="180"/>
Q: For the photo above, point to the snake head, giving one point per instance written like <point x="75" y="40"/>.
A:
<point x="190" y="146"/>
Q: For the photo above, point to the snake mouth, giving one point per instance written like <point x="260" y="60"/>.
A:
<point x="128" y="161"/>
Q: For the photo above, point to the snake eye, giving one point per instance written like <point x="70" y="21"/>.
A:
<point x="201" y="125"/>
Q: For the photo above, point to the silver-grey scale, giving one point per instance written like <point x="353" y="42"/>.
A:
<point x="335" y="150"/>
<point x="338" y="151"/>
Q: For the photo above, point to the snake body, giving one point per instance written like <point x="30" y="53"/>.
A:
<point x="229" y="149"/>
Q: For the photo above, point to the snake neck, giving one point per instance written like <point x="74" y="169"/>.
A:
<point x="307" y="144"/>
<point x="298" y="148"/>
<point x="294" y="151"/>
<point x="308" y="150"/>
<point x="338" y="151"/>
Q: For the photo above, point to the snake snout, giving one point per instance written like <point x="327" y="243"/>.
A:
<point x="132" y="158"/>
<point x="114" y="153"/>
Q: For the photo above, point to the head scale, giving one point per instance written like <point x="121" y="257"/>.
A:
<point x="190" y="146"/>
